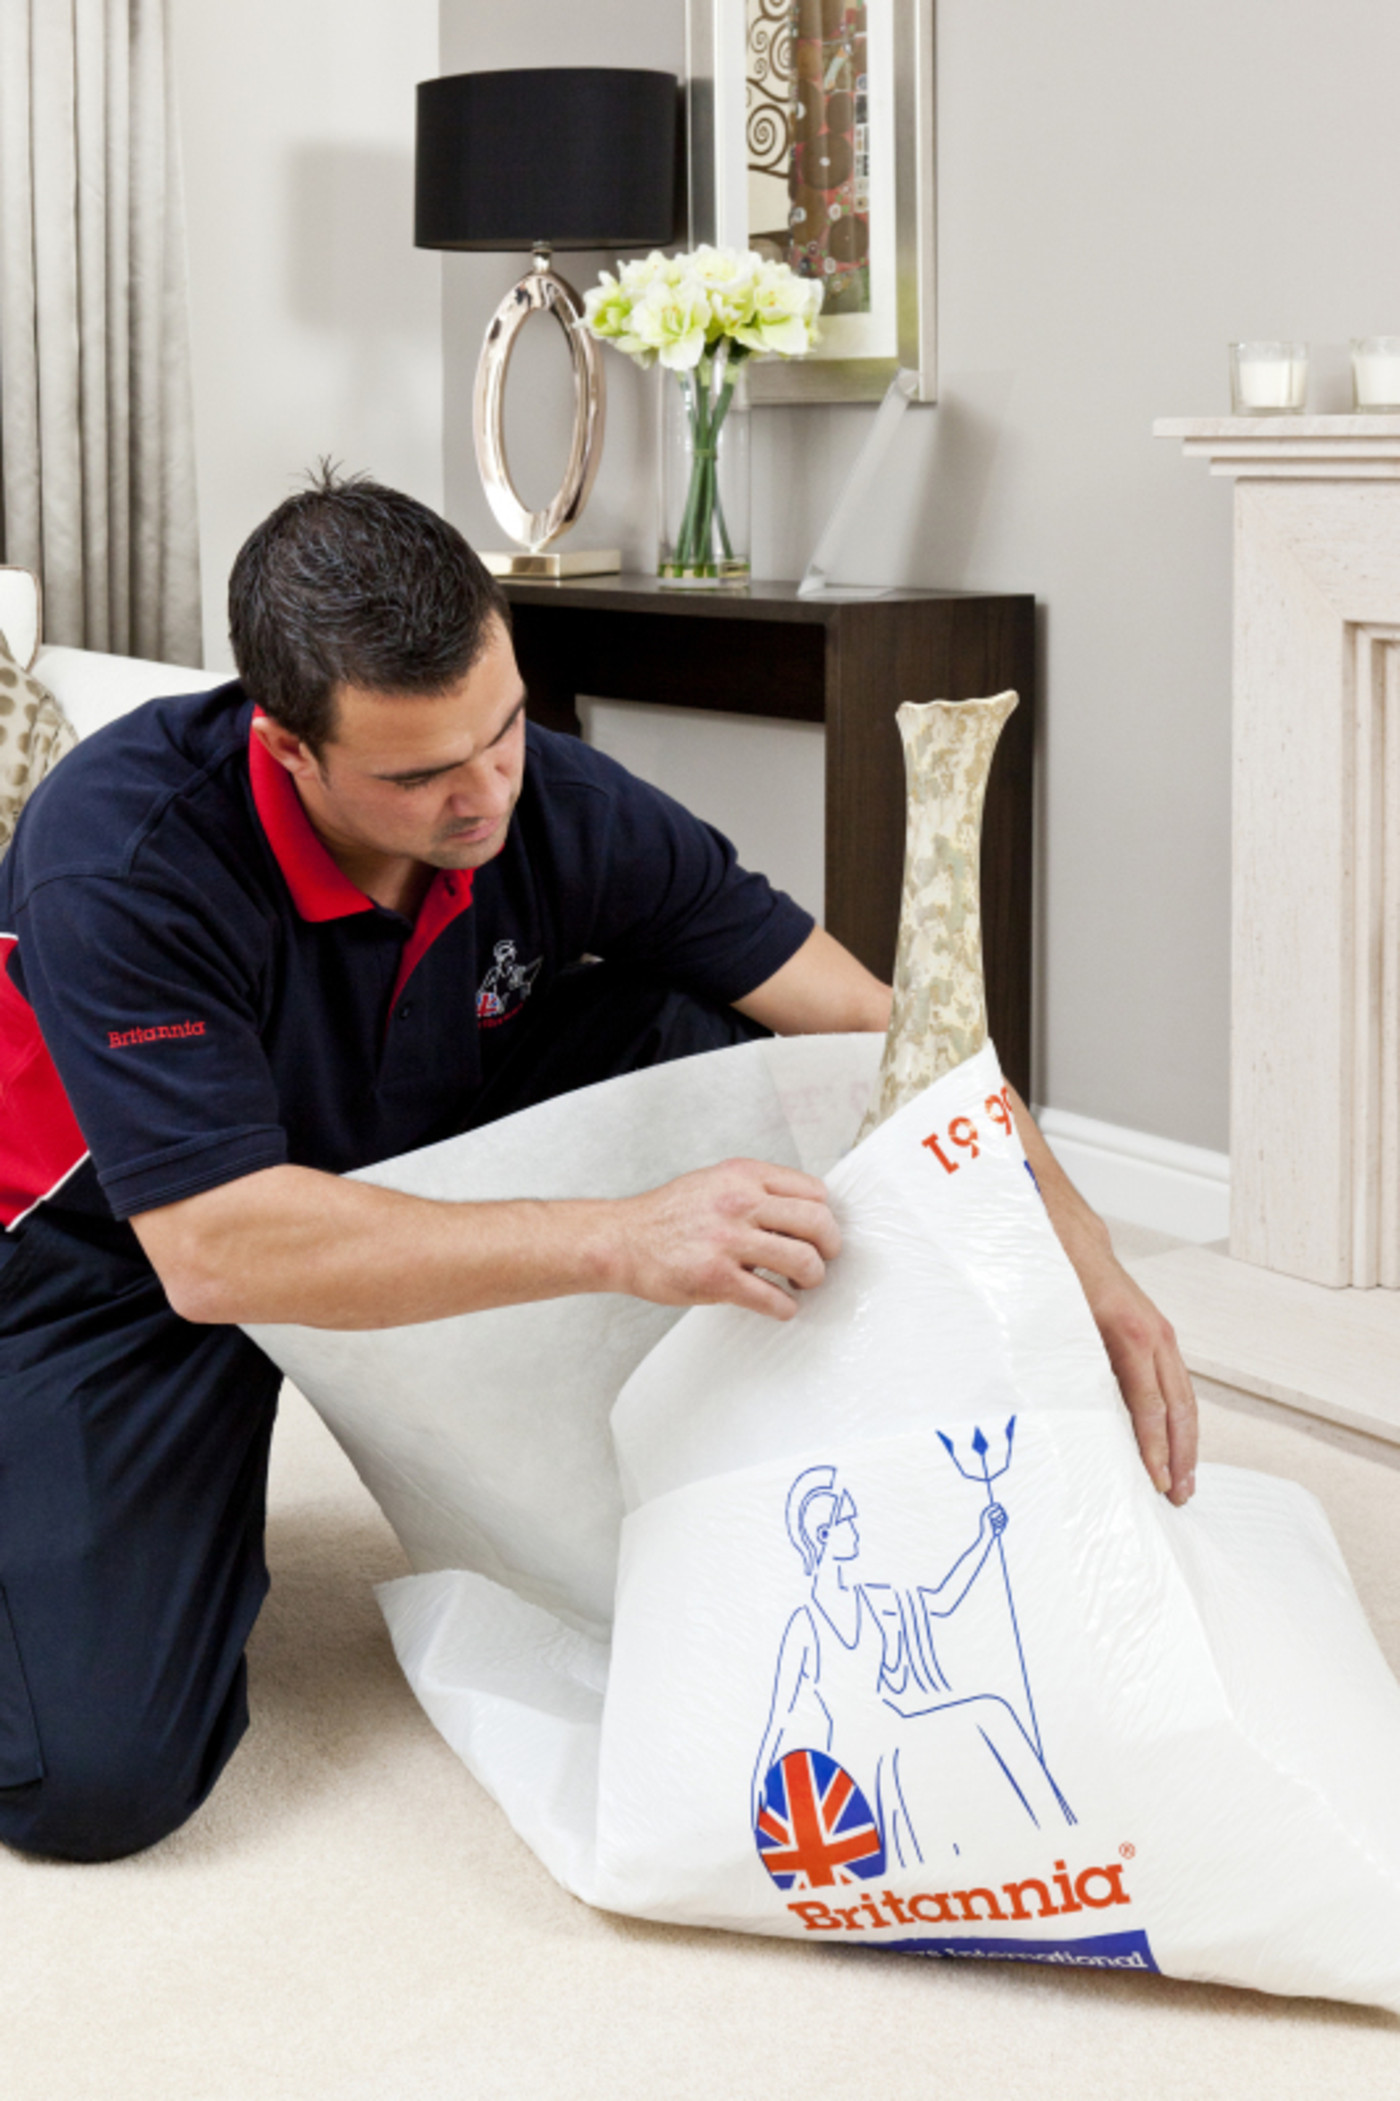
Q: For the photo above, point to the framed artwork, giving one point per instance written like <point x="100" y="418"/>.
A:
<point x="811" y="140"/>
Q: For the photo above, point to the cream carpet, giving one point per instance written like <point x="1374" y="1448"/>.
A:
<point x="350" y="1919"/>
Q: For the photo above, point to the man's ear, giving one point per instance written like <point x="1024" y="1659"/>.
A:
<point x="287" y="749"/>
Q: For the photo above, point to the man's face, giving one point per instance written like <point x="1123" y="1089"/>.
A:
<point x="431" y="779"/>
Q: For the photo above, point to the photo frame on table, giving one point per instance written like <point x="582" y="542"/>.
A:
<point x="811" y="126"/>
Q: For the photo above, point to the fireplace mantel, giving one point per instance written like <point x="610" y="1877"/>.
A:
<point x="1291" y="448"/>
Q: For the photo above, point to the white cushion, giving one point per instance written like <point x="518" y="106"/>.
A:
<point x="93" y="689"/>
<point x="19" y="614"/>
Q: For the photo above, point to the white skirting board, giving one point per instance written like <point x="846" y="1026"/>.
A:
<point x="1143" y="1180"/>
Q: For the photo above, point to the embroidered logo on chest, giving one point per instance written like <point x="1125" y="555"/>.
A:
<point x="506" y="986"/>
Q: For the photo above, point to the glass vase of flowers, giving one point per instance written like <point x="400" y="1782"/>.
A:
<point x="701" y="317"/>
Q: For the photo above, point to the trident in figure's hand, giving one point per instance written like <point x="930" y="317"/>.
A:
<point x="980" y="1468"/>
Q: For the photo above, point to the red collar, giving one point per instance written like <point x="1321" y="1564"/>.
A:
<point x="320" y="888"/>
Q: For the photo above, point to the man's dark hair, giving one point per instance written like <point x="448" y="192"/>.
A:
<point x="350" y="583"/>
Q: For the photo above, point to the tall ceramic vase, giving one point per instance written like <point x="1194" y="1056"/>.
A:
<point x="705" y="475"/>
<point x="940" y="1001"/>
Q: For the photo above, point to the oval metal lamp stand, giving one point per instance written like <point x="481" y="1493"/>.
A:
<point x="541" y="292"/>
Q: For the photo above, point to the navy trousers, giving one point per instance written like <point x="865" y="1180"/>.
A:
<point x="133" y="1478"/>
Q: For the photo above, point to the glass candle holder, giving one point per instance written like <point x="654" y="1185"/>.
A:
<point x="1375" y="373"/>
<point x="1268" y="379"/>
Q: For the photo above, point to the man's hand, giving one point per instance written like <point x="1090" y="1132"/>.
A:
<point x="705" y="1238"/>
<point x="1147" y="1364"/>
<point x="292" y="1244"/>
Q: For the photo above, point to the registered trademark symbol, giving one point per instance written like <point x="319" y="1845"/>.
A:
<point x="1127" y="1851"/>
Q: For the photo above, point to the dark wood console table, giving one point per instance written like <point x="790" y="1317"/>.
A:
<point x="847" y="663"/>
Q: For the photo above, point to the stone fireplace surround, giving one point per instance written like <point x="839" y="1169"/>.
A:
<point x="1305" y="1308"/>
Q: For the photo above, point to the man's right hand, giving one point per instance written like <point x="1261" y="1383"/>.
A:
<point x="292" y="1244"/>
<point x="703" y="1239"/>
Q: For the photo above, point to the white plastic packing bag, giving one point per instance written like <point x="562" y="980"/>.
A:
<point x="485" y="1438"/>
<point x="907" y="1652"/>
<point x="902" y="1650"/>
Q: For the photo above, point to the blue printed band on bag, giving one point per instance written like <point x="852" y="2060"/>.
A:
<point x="1103" y="1951"/>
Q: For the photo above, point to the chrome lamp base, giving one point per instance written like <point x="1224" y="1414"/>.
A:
<point x="541" y="292"/>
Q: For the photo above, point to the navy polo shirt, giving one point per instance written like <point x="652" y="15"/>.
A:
<point x="191" y="989"/>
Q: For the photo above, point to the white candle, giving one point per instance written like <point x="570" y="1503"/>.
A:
<point x="1269" y="383"/>
<point x="1375" y="367"/>
<point x="1268" y="378"/>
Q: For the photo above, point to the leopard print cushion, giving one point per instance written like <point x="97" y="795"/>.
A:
<point x="34" y="735"/>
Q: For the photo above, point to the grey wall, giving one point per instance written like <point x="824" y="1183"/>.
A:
<point x="1122" y="189"/>
<point x="316" y="326"/>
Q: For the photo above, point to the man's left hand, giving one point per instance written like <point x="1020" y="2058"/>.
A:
<point x="1142" y="1348"/>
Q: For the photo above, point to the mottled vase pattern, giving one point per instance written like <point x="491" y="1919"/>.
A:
<point x="940" y="1001"/>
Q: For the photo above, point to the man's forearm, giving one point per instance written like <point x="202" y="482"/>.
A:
<point x="822" y="990"/>
<point x="292" y="1244"/>
<point x="1081" y="1232"/>
<point x="1140" y="1343"/>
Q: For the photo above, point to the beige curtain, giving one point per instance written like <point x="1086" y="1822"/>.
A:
<point x="96" y="428"/>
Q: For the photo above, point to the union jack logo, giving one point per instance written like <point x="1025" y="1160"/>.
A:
<point x="814" y="1825"/>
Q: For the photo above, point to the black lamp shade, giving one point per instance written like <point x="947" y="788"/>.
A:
<point x="576" y="156"/>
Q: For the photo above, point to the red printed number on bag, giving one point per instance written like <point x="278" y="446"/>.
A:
<point x="962" y="1132"/>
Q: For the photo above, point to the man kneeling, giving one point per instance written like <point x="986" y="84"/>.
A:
<point x="341" y="908"/>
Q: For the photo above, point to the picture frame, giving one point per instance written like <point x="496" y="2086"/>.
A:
<point x="811" y="137"/>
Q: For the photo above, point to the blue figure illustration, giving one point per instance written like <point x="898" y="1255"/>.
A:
<point x="859" y="1677"/>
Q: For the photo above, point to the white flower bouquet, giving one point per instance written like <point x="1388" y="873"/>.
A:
<point x="701" y="316"/>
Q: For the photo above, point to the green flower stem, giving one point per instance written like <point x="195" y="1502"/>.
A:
<point x="703" y="516"/>
<point x="694" y="529"/>
<point x="702" y="472"/>
<point x="691" y="390"/>
<point x="726" y="395"/>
